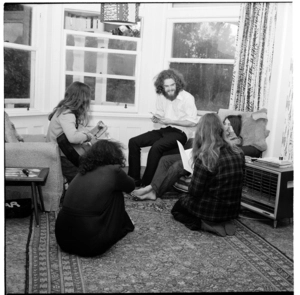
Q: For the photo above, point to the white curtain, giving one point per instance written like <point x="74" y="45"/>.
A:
<point x="254" y="56"/>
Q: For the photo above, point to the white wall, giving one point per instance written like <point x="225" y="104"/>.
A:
<point x="280" y="79"/>
<point x="154" y="25"/>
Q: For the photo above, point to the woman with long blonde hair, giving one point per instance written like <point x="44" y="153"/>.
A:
<point x="214" y="194"/>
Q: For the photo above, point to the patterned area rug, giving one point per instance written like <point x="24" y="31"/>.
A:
<point x="161" y="255"/>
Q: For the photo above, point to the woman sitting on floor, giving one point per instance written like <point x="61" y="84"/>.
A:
<point x="93" y="216"/>
<point x="214" y="195"/>
<point x="170" y="168"/>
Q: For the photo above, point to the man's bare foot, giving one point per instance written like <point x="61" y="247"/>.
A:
<point x="143" y="190"/>
<point x="148" y="196"/>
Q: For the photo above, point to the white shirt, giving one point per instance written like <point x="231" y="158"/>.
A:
<point x="181" y="108"/>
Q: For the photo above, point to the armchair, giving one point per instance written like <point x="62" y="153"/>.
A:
<point x="34" y="152"/>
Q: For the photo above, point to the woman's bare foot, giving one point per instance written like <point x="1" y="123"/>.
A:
<point x="143" y="190"/>
<point x="148" y="196"/>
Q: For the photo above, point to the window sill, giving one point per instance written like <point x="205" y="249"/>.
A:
<point x="25" y="113"/>
<point x="121" y="115"/>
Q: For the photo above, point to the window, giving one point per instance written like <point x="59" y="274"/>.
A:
<point x="108" y="63"/>
<point x="19" y="56"/>
<point x="203" y="51"/>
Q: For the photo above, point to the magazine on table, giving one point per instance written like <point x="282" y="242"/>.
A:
<point x="186" y="157"/>
<point x="275" y="162"/>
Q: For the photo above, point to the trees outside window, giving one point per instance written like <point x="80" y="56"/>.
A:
<point x="204" y="53"/>
<point x="18" y="56"/>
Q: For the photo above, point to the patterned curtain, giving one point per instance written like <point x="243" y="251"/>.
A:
<point x="254" y="56"/>
<point x="287" y="139"/>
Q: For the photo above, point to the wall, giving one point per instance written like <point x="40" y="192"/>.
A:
<point x="280" y="79"/>
<point x="126" y="125"/>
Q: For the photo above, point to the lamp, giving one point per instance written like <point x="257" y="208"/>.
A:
<point x="119" y="13"/>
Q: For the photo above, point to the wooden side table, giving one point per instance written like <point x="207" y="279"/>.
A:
<point x="36" y="176"/>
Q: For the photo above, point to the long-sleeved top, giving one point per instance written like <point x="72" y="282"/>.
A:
<point x="181" y="108"/>
<point x="65" y="123"/>
<point x="93" y="215"/>
<point x="216" y="196"/>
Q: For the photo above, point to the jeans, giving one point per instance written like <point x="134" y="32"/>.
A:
<point x="169" y="170"/>
<point x="160" y="140"/>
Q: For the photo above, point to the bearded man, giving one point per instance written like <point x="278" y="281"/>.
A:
<point x="176" y="112"/>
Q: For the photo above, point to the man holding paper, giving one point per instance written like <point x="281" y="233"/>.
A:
<point x="176" y="112"/>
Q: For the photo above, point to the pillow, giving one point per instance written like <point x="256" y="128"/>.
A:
<point x="254" y="131"/>
<point x="10" y="132"/>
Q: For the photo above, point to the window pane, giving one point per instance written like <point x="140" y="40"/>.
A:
<point x="100" y="63"/>
<point x="17" y="72"/>
<point x="210" y="84"/>
<point x="204" y="40"/>
<point x="120" y="91"/>
<point x="17" y="24"/>
<point x="107" y="91"/>
<point x="100" y="42"/>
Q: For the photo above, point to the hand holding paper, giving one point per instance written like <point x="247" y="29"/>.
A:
<point x="186" y="157"/>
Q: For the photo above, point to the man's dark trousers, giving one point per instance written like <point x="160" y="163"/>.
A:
<point x="161" y="141"/>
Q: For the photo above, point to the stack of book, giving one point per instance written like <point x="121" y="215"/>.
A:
<point x="274" y="162"/>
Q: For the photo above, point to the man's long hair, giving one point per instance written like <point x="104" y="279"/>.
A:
<point x="77" y="100"/>
<point x="103" y="152"/>
<point x="169" y="74"/>
<point x="210" y="137"/>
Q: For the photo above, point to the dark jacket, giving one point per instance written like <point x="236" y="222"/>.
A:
<point x="93" y="216"/>
<point x="216" y="196"/>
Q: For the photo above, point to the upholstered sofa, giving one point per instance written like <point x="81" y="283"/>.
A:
<point x="33" y="151"/>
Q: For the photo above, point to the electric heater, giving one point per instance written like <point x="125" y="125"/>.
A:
<point x="268" y="191"/>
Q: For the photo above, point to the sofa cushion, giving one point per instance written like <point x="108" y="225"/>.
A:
<point x="254" y="131"/>
<point x="10" y="132"/>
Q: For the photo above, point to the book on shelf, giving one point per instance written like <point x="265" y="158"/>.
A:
<point x="274" y="162"/>
<point x="186" y="157"/>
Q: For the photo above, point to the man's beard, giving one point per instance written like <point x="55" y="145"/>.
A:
<point x="170" y="97"/>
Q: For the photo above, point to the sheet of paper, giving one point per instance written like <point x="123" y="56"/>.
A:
<point x="186" y="157"/>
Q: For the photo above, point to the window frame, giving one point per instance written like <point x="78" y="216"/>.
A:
<point x="36" y="15"/>
<point x="113" y="107"/>
<point x="209" y="12"/>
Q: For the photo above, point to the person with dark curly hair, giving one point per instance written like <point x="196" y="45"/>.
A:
<point x="93" y="216"/>
<point x="176" y="112"/>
